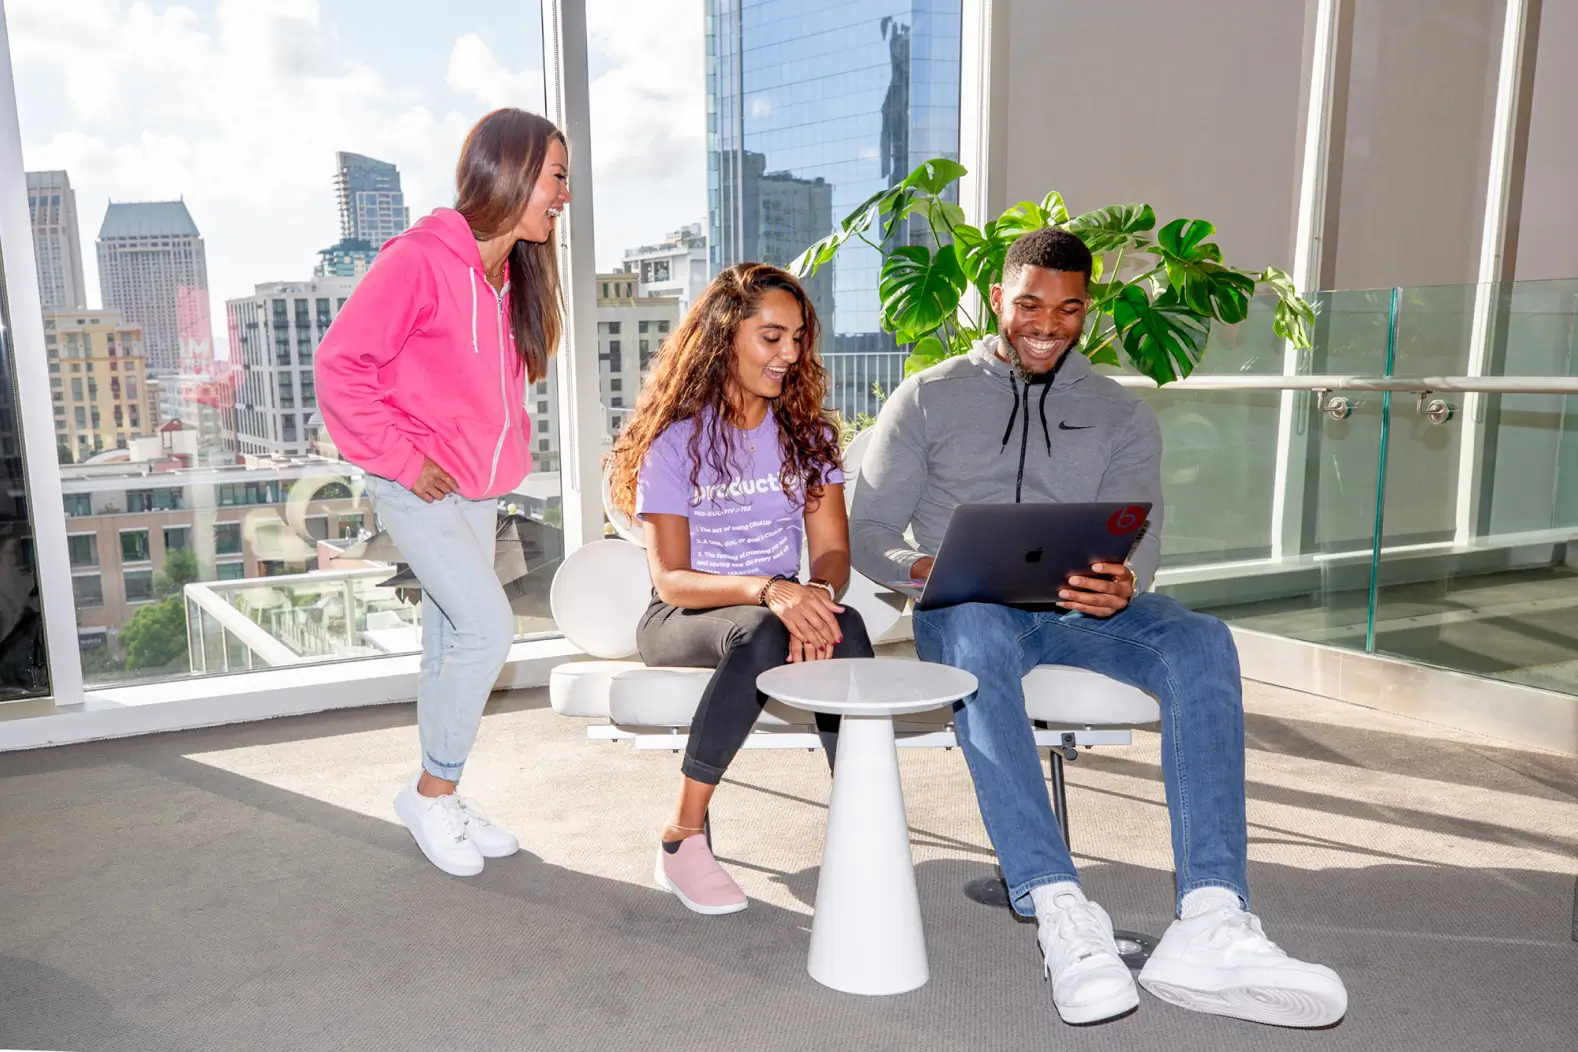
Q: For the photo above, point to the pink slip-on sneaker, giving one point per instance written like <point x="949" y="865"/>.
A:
<point x="697" y="880"/>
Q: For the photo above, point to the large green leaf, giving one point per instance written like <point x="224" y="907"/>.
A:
<point x="1163" y="337"/>
<point x="1021" y="219"/>
<point x="928" y="351"/>
<point x="933" y="176"/>
<point x="1185" y="240"/>
<point x="920" y="290"/>
<point x="1098" y="348"/>
<point x="1294" y="316"/>
<point x="1056" y="211"/>
<point x="1229" y="292"/>
<point x="1196" y="273"/>
<point x="981" y="254"/>
<point x="855" y="223"/>
<point x="1114" y="227"/>
<point x="943" y="216"/>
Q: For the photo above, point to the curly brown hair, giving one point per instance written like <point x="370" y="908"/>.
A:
<point x="692" y="373"/>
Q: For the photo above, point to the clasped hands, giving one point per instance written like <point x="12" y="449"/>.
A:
<point x="811" y="617"/>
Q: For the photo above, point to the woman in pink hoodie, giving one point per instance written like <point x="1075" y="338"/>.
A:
<point x="422" y="383"/>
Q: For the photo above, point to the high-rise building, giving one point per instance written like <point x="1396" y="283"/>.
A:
<point x="57" y="244"/>
<point x="346" y="258"/>
<point x="97" y="380"/>
<point x="372" y="205"/>
<point x="154" y="270"/>
<point x="274" y="334"/>
<point x="814" y="101"/>
<point x="676" y="266"/>
<point x="630" y="329"/>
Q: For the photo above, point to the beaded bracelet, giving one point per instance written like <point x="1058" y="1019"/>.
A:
<point x="775" y="578"/>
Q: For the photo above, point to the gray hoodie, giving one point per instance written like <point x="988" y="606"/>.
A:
<point x="968" y="431"/>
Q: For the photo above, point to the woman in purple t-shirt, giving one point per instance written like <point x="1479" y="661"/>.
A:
<point x="729" y="462"/>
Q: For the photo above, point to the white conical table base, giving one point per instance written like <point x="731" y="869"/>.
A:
<point x="867" y="936"/>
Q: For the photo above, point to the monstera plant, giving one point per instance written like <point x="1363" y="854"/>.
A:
<point x="1160" y="314"/>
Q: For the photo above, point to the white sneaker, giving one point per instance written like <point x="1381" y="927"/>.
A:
<point x="1090" y="982"/>
<point x="1221" y="962"/>
<point x="493" y="841"/>
<point x="438" y="824"/>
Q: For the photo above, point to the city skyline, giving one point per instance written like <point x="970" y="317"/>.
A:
<point x="165" y="101"/>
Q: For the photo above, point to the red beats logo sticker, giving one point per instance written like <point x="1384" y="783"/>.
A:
<point x="1124" y="520"/>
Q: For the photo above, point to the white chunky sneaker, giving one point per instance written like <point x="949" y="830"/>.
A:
<point x="438" y="824"/>
<point x="1090" y="982"/>
<point x="493" y="841"/>
<point x="1220" y="961"/>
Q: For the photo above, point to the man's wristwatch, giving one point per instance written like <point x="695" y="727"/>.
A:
<point x="1134" y="580"/>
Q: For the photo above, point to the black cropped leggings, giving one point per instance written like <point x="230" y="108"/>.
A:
<point x="740" y="642"/>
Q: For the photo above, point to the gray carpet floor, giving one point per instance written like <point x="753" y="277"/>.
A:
<point x="249" y="888"/>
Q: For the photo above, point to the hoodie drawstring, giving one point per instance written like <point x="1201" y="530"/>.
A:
<point x="1009" y="430"/>
<point x="471" y="276"/>
<point x="1045" y="383"/>
<point x="1045" y="390"/>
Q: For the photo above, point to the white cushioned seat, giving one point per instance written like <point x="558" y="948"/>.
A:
<point x="667" y="697"/>
<point x="1064" y="696"/>
<point x="656" y="696"/>
<point x="580" y="688"/>
<point x="597" y="599"/>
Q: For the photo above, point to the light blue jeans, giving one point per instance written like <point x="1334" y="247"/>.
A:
<point x="467" y="623"/>
<point x="1186" y="660"/>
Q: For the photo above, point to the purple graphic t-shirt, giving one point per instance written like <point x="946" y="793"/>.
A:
<point x="743" y="525"/>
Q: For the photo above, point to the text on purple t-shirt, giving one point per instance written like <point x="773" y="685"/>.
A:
<point x="743" y="525"/>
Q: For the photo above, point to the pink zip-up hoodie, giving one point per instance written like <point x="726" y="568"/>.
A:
<point x="421" y="362"/>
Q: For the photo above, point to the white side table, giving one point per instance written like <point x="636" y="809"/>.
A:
<point x="867" y="936"/>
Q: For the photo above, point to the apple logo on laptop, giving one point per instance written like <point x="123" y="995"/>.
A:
<point x="1033" y="555"/>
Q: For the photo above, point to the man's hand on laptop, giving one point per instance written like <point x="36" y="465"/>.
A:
<point x="1105" y="592"/>
<point x="920" y="569"/>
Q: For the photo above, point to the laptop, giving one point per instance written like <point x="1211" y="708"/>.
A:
<point x="1022" y="554"/>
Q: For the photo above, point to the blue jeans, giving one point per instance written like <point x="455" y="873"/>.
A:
<point x="1186" y="660"/>
<point x="467" y="623"/>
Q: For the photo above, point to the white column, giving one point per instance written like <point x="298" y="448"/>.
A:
<point x="1505" y="163"/>
<point x="983" y="77"/>
<point x="580" y="419"/>
<point x="35" y="405"/>
<point x="1287" y="497"/>
<point x="983" y="112"/>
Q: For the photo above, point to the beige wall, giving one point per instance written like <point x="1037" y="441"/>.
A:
<point x="1192" y="107"/>
<point x="1203" y="116"/>
<point x="1548" y="227"/>
<point x="1412" y="144"/>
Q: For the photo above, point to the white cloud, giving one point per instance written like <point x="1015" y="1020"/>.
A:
<point x="474" y="70"/>
<point x="649" y="120"/>
<point x="239" y="105"/>
<point x="239" y="113"/>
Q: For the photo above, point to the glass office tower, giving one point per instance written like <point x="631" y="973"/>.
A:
<point x="812" y="107"/>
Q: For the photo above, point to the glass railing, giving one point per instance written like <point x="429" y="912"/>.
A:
<point x="1439" y="526"/>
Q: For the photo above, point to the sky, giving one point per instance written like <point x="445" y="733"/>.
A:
<point x="238" y="106"/>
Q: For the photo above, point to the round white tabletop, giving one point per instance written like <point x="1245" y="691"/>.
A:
<point x="867" y="686"/>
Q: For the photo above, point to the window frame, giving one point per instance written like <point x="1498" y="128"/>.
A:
<point x="281" y="691"/>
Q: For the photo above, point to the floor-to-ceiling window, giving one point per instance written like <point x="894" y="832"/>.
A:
<point x="207" y="184"/>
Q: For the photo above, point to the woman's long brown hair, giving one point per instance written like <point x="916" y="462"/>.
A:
<point x="499" y="165"/>
<point x="691" y="378"/>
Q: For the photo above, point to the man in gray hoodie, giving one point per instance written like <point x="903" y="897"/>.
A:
<point x="1023" y="418"/>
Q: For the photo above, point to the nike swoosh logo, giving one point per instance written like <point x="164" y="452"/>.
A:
<point x="1065" y="426"/>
